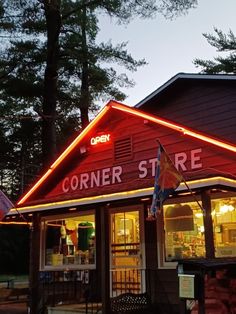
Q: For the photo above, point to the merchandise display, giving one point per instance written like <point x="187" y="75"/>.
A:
<point x="70" y="241"/>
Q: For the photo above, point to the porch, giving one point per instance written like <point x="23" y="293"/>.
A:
<point x="78" y="292"/>
<point x="74" y="309"/>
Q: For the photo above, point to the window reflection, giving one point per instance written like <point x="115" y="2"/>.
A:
<point x="70" y="241"/>
<point x="224" y="221"/>
<point x="184" y="231"/>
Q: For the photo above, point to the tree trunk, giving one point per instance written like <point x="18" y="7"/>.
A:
<point x="35" y="299"/>
<point x="84" y="96"/>
<point x="53" y="22"/>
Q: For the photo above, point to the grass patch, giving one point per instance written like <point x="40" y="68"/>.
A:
<point x="15" y="277"/>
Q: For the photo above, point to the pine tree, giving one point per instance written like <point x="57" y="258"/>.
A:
<point x="53" y="69"/>
<point x="226" y="46"/>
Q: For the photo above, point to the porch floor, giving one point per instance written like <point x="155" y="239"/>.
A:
<point x="75" y="309"/>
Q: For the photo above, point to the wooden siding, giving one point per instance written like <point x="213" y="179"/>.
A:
<point x="144" y="143"/>
<point x="204" y="106"/>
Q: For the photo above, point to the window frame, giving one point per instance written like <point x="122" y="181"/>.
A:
<point x="218" y="248"/>
<point x="42" y="263"/>
<point x="162" y="263"/>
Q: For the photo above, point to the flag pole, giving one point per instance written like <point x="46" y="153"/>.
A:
<point x="153" y="208"/>
<point x="187" y="186"/>
<point x="194" y="196"/>
<point x="167" y="179"/>
<point x="5" y="206"/>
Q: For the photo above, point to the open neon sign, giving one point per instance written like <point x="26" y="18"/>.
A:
<point x="104" y="138"/>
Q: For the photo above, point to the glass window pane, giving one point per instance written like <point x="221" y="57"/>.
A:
<point x="184" y="231"/>
<point x="224" y="222"/>
<point x="125" y="240"/>
<point x="70" y="241"/>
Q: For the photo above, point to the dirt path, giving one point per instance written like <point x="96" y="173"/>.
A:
<point x="13" y="308"/>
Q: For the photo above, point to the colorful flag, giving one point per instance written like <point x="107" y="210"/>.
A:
<point x="167" y="179"/>
<point x="5" y="205"/>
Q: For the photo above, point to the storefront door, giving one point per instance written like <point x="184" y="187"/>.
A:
<point x="126" y="252"/>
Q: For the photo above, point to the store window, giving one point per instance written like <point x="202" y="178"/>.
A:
<point x="184" y="231"/>
<point x="224" y="222"/>
<point x="69" y="241"/>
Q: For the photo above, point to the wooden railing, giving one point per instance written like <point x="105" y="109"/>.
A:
<point x="127" y="280"/>
<point x="83" y="287"/>
<point x="69" y="287"/>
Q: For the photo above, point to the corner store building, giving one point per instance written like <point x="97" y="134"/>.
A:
<point x="89" y="210"/>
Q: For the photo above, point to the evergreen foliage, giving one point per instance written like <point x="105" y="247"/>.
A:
<point x="54" y="73"/>
<point x="14" y="249"/>
<point x="226" y="46"/>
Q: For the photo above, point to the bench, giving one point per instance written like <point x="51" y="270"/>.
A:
<point x="131" y="303"/>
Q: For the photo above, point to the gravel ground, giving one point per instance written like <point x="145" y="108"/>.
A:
<point x="13" y="308"/>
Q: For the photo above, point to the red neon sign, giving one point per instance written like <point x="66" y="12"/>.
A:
<point x="135" y="112"/>
<point x="100" y="139"/>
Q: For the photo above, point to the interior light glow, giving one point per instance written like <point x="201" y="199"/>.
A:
<point x="201" y="229"/>
<point x="198" y="215"/>
<point x="226" y="208"/>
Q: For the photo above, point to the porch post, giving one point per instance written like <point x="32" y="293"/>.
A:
<point x="208" y="224"/>
<point x="34" y="296"/>
<point x="105" y="271"/>
<point x="209" y="242"/>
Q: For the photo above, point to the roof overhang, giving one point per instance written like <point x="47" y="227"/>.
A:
<point x="112" y="105"/>
<point x="192" y="185"/>
<point x="185" y="76"/>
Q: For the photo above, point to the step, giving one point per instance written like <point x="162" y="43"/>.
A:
<point x="74" y="309"/>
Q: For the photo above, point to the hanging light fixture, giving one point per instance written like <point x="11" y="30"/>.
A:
<point x="179" y="218"/>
